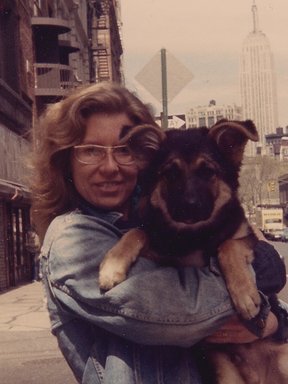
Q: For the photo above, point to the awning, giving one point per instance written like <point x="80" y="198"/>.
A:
<point x="13" y="191"/>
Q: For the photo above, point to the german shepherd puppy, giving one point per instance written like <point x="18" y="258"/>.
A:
<point x="189" y="205"/>
<point x="190" y="210"/>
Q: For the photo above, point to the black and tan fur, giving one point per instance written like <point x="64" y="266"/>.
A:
<point x="189" y="205"/>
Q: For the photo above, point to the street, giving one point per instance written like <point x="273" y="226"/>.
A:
<point x="32" y="358"/>
<point x="28" y="352"/>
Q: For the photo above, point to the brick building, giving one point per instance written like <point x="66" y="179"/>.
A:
<point x="16" y="106"/>
<point x="47" y="47"/>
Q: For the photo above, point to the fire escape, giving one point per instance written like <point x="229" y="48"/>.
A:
<point x="102" y="49"/>
<point x="54" y="76"/>
<point x="105" y="42"/>
<point x="102" y="52"/>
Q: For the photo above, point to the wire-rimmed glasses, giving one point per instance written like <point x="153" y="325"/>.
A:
<point x="94" y="154"/>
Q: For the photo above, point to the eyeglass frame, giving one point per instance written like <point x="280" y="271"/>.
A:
<point x="108" y="149"/>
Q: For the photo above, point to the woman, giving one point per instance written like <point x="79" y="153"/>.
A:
<point x="85" y="189"/>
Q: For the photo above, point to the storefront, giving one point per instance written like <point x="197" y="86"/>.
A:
<point x="16" y="262"/>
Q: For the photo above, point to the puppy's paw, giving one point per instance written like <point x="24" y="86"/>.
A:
<point x="110" y="275"/>
<point x="247" y="302"/>
<point x="107" y="282"/>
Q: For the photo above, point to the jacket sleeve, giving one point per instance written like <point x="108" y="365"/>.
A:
<point x="269" y="268"/>
<point x="155" y="305"/>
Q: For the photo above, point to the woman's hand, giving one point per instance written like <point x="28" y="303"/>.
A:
<point x="235" y="332"/>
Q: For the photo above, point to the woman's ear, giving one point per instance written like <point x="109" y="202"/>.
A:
<point x="144" y="141"/>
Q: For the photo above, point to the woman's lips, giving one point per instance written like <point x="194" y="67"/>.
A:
<point x="108" y="185"/>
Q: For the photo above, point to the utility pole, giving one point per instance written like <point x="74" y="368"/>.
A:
<point x="164" y="116"/>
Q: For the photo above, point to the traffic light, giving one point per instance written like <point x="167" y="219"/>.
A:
<point x="271" y="186"/>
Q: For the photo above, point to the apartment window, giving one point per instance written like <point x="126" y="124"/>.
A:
<point x="202" y="121"/>
<point x="210" y="121"/>
<point x="9" y="45"/>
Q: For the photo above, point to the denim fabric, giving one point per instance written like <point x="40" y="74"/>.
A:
<point x="142" y="330"/>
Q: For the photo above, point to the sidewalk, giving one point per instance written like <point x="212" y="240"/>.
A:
<point x="24" y="309"/>
<point x="28" y="352"/>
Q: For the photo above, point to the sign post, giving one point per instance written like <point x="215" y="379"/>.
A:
<point x="164" y="77"/>
<point x="164" y="89"/>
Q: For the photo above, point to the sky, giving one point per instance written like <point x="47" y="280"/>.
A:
<point x="206" y="36"/>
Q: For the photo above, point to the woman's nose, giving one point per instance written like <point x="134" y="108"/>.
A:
<point x="109" y="163"/>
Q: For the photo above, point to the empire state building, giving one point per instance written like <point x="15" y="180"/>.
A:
<point x="257" y="85"/>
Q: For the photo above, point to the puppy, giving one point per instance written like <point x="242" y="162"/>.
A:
<point x="190" y="211"/>
<point x="189" y="206"/>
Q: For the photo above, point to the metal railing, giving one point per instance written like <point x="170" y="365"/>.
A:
<point x="53" y="79"/>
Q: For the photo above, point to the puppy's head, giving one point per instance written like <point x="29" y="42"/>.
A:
<point x="191" y="174"/>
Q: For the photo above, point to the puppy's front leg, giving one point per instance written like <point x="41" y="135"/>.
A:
<point x="235" y="257"/>
<point x="117" y="261"/>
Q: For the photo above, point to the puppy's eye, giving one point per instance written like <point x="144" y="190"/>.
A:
<point x="206" y="171"/>
<point x="172" y="173"/>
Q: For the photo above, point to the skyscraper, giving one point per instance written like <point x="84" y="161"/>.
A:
<point x="257" y="84"/>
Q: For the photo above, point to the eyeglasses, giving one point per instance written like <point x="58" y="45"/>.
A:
<point x="94" y="154"/>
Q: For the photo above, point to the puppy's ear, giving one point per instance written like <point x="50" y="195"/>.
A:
<point x="144" y="141"/>
<point x="232" y="136"/>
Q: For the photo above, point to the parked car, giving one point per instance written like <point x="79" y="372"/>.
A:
<point x="284" y="236"/>
<point x="274" y="235"/>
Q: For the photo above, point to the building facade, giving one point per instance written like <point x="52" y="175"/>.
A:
<point x="61" y="51"/>
<point x="283" y="194"/>
<point x="47" y="48"/>
<point x="76" y="42"/>
<point x="105" y="38"/>
<point x="208" y="115"/>
<point x="258" y="85"/>
<point x="277" y="144"/>
<point x="16" y="111"/>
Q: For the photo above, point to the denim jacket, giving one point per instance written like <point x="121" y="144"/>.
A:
<point x="142" y="330"/>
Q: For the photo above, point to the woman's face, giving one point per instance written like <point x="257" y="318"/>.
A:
<point x="106" y="184"/>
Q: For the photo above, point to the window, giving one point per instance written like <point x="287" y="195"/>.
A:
<point x="9" y="46"/>
<point x="202" y="121"/>
<point x="210" y="121"/>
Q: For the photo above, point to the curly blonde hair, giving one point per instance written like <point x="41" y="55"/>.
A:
<point x="61" y="127"/>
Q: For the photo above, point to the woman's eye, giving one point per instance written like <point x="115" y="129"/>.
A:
<point x="123" y="151"/>
<point x="92" y="151"/>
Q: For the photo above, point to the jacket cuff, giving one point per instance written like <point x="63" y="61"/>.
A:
<point x="280" y="310"/>
<point x="258" y="323"/>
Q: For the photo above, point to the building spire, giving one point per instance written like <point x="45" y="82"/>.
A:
<point x="255" y="17"/>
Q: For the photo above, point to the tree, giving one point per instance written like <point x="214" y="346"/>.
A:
<point x="259" y="181"/>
